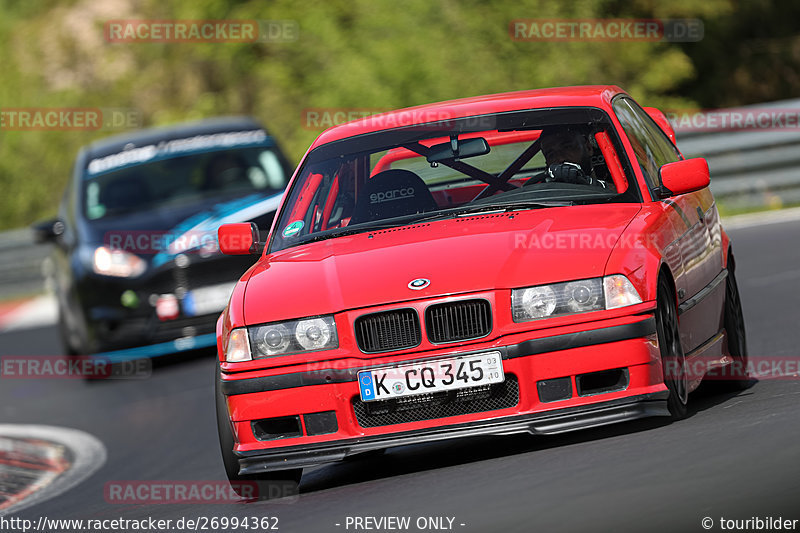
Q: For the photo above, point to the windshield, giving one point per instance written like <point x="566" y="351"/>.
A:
<point x="185" y="180"/>
<point x="522" y="160"/>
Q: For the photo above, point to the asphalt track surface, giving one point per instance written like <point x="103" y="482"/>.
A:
<point x="736" y="456"/>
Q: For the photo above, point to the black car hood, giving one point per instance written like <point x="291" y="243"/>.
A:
<point x="158" y="235"/>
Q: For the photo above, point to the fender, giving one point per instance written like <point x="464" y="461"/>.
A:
<point x="233" y="316"/>
<point x="726" y="247"/>
<point x="646" y="246"/>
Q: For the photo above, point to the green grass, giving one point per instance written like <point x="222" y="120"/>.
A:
<point x="729" y="211"/>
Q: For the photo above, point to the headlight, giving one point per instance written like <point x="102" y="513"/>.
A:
<point x="294" y="336"/>
<point x="535" y="302"/>
<point x="118" y="263"/>
<point x="314" y="334"/>
<point x="273" y="339"/>
<point x="559" y="299"/>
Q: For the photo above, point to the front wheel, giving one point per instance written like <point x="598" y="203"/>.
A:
<point x="737" y="339"/>
<point x="70" y="339"/>
<point x="673" y="360"/>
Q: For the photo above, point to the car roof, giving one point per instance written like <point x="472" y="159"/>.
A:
<point x="116" y="143"/>
<point x="585" y="95"/>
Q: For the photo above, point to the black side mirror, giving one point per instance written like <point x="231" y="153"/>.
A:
<point x="48" y="230"/>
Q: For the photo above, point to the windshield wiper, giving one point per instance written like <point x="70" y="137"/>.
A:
<point x="366" y="228"/>
<point x="513" y="206"/>
<point x="498" y="207"/>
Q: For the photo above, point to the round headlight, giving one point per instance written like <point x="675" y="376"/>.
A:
<point x="538" y="302"/>
<point x="273" y="339"/>
<point x="581" y="295"/>
<point x="312" y="334"/>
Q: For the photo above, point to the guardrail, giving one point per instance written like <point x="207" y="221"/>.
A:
<point x="754" y="167"/>
<point x="749" y="169"/>
<point x="22" y="264"/>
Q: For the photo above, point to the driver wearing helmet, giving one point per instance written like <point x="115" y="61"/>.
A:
<point x="568" y="153"/>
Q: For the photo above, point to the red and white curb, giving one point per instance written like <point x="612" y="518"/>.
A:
<point x="87" y="454"/>
<point x="36" y="312"/>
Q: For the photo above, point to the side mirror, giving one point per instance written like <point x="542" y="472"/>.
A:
<point x="239" y="239"/>
<point x="683" y="177"/>
<point x="47" y="231"/>
<point x="661" y="119"/>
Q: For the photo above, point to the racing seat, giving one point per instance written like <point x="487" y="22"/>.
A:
<point x="392" y="193"/>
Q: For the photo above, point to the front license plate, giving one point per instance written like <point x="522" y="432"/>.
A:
<point x="431" y="376"/>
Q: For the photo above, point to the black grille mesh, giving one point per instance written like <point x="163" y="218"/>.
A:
<point x="458" y="321"/>
<point x="437" y="404"/>
<point x="391" y="330"/>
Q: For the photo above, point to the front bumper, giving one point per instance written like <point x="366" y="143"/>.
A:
<point x="625" y="347"/>
<point x="546" y="423"/>
<point x="120" y="313"/>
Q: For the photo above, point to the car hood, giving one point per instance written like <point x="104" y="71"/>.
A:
<point x="460" y="255"/>
<point x="160" y="234"/>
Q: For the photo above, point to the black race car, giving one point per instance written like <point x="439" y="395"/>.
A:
<point x="138" y="272"/>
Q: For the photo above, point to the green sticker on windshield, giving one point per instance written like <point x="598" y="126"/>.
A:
<point x="293" y="229"/>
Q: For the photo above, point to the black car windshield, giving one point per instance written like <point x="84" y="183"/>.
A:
<point x="521" y="160"/>
<point x="192" y="178"/>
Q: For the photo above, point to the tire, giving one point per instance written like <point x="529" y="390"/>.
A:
<point x="736" y="375"/>
<point x="68" y="339"/>
<point x="673" y="360"/>
<point x="66" y="336"/>
<point x="275" y="484"/>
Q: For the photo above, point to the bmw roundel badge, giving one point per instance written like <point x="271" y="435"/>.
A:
<point x="419" y="284"/>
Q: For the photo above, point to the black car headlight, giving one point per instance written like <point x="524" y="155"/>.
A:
<point x="282" y="338"/>
<point x="560" y="299"/>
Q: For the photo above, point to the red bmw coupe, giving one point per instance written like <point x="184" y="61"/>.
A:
<point x="530" y="262"/>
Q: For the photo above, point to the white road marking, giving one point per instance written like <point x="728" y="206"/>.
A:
<point x="89" y="454"/>
<point x="775" y="375"/>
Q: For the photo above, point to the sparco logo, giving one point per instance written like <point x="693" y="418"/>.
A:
<point x="388" y="196"/>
